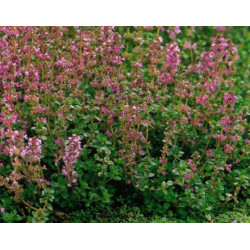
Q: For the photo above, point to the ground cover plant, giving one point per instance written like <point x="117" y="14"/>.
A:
<point x="124" y="124"/>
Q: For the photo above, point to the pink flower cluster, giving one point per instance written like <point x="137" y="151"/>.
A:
<point x="72" y="152"/>
<point x="202" y="99"/>
<point x="229" y="99"/>
<point x="222" y="52"/>
<point x="172" y="61"/>
<point x="228" y="148"/>
<point x="188" y="45"/>
<point x="173" y="31"/>
<point x="33" y="150"/>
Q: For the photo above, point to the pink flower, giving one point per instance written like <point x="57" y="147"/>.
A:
<point x="72" y="152"/>
<point x="187" y="45"/>
<point x="163" y="160"/>
<point x="108" y="133"/>
<point x="33" y="150"/>
<point x="59" y="141"/>
<point x="194" y="46"/>
<point x="228" y="169"/>
<point x="229" y="99"/>
<point x="210" y="153"/>
<point x="172" y="60"/>
<point x="220" y="28"/>
<point x="202" y="99"/>
<point x="194" y="168"/>
<point x="228" y="148"/>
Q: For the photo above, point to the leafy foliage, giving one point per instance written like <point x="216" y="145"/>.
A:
<point x="140" y="124"/>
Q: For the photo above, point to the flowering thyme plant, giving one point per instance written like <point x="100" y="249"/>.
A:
<point x="88" y="111"/>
